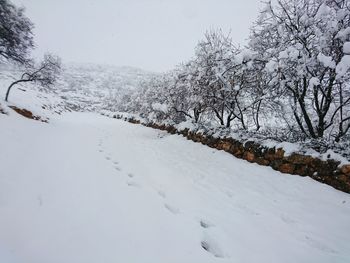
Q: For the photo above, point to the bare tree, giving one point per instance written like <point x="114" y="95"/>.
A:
<point x="44" y="74"/>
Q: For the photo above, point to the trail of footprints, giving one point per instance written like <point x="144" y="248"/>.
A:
<point x="130" y="182"/>
<point x="208" y="244"/>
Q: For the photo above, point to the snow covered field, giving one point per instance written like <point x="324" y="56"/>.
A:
<point x="86" y="189"/>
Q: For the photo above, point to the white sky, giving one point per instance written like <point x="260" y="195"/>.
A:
<point x="150" y="34"/>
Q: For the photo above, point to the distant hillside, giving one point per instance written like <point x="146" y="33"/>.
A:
<point x="92" y="87"/>
<point x="81" y="87"/>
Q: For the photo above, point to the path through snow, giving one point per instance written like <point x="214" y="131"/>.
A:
<point x="86" y="188"/>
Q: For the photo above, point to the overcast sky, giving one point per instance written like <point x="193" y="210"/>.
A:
<point x="150" y="34"/>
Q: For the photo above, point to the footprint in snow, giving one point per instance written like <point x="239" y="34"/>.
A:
<point x="211" y="247"/>
<point x="117" y="168"/>
<point x="133" y="184"/>
<point x="288" y="220"/>
<point x="208" y="243"/>
<point x="205" y="224"/>
<point x="161" y="194"/>
<point x="229" y="194"/>
<point x="172" y="209"/>
<point x="108" y="158"/>
<point x="130" y="175"/>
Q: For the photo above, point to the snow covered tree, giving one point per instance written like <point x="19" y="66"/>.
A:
<point x="306" y="49"/>
<point x="149" y="100"/>
<point x="224" y="75"/>
<point x="215" y="77"/>
<point x="45" y="74"/>
<point x="185" y="96"/>
<point x="16" y="36"/>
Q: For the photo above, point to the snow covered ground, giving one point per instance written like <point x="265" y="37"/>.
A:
<point x="85" y="189"/>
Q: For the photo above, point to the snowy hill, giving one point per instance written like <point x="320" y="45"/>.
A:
<point x="92" y="87"/>
<point x="81" y="87"/>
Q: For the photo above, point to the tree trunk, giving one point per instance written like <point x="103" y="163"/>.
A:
<point x="10" y="87"/>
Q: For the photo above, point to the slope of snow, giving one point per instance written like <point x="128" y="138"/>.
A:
<point x="86" y="188"/>
<point x="30" y="96"/>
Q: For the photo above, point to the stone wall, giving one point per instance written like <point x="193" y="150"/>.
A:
<point x="327" y="172"/>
